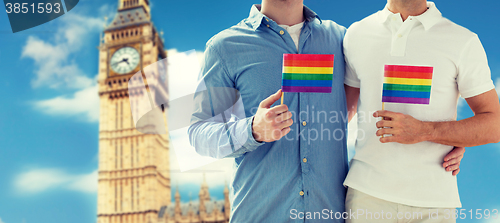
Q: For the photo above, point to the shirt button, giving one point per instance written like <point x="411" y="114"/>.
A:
<point x="301" y="193"/>
<point x="304" y="160"/>
<point x="393" y="18"/>
<point x="282" y="32"/>
<point x="267" y="25"/>
<point x="399" y="35"/>
<point x="267" y="19"/>
<point x="304" y="123"/>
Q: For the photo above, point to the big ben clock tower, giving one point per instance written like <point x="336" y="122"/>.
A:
<point x="134" y="174"/>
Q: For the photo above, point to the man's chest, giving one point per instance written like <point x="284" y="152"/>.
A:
<point x="419" y="50"/>
<point x="258" y="70"/>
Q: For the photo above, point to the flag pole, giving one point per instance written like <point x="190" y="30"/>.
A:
<point x="383" y="108"/>
<point x="282" y="96"/>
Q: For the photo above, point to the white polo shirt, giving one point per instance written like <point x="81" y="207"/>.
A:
<point x="410" y="174"/>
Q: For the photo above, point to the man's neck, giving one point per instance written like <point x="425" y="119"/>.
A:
<point x="284" y="12"/>
<point x="407" y="7"/>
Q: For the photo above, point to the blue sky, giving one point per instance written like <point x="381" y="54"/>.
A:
<point x="48" y="124"/>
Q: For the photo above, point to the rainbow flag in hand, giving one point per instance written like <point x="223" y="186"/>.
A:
<point x="407" y="84"/>
<point x="307" y="73"/>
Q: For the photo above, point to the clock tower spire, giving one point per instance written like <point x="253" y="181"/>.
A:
<point x="128" y="4"/>
<point x="134" y="168"/>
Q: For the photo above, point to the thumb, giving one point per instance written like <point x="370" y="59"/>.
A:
<point x="266" y="103"/>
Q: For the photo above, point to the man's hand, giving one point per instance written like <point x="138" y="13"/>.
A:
<point x="404" y="128"/>
<point x="271" y="124"/>
<point x="453" y="159"/>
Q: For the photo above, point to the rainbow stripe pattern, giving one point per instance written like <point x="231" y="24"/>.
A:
<point x="407" y="84"/>
<point x="307" y="73"/>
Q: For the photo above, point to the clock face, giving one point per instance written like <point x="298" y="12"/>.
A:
<point x="125" y="60"/>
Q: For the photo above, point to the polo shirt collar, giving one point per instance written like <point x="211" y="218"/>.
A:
<point x="428" y="19"/>
<point x="384" y="14"/>
<point x="256" y="18"/>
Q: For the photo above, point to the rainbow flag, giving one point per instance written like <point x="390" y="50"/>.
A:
<point x="307" y="73"/>
<point x="407" y="84"/>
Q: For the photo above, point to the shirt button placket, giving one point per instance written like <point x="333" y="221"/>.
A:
<point x="303" y="117"/>
<point x="304" y="160"/>
<point x="399" y="44"/>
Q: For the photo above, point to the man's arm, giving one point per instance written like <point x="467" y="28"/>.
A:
<point x="219" y="127"/>
<point x="482" y="128"/>
<point x="221" y="138"/>
<point x="352" y="96"/>
<point x="451" y="161"/>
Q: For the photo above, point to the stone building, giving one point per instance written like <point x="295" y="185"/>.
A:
<point x="204" y="210"/>
<point x="134" y="171"/>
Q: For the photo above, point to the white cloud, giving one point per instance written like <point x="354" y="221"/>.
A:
<point x="183" y="72"/>
<point x="83" y="102"/>
<point x="54" y="67"/>
<point x="1" y="221"/>
<point x="85" y="183"/>
<point x="40" y="180"/>
<point x="216" y="173"/>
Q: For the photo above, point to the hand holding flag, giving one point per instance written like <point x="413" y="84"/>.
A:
<point x="409" y="85"/>
<point x="271" y="124"/>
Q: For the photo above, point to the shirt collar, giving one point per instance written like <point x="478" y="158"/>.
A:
<point x="294" y="28"/>
<point x="256" y="17"/>
<point x="428" y="19"/>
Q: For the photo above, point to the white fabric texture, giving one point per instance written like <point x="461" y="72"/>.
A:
<point x="410" y="174"/>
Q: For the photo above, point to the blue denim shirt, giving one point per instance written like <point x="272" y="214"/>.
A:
<point x="303" y="172"/>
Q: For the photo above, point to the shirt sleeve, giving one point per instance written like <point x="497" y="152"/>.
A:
<point x="350" y="78"/>
<point x="474" y="75"/>
<point x="219" y="127"/>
